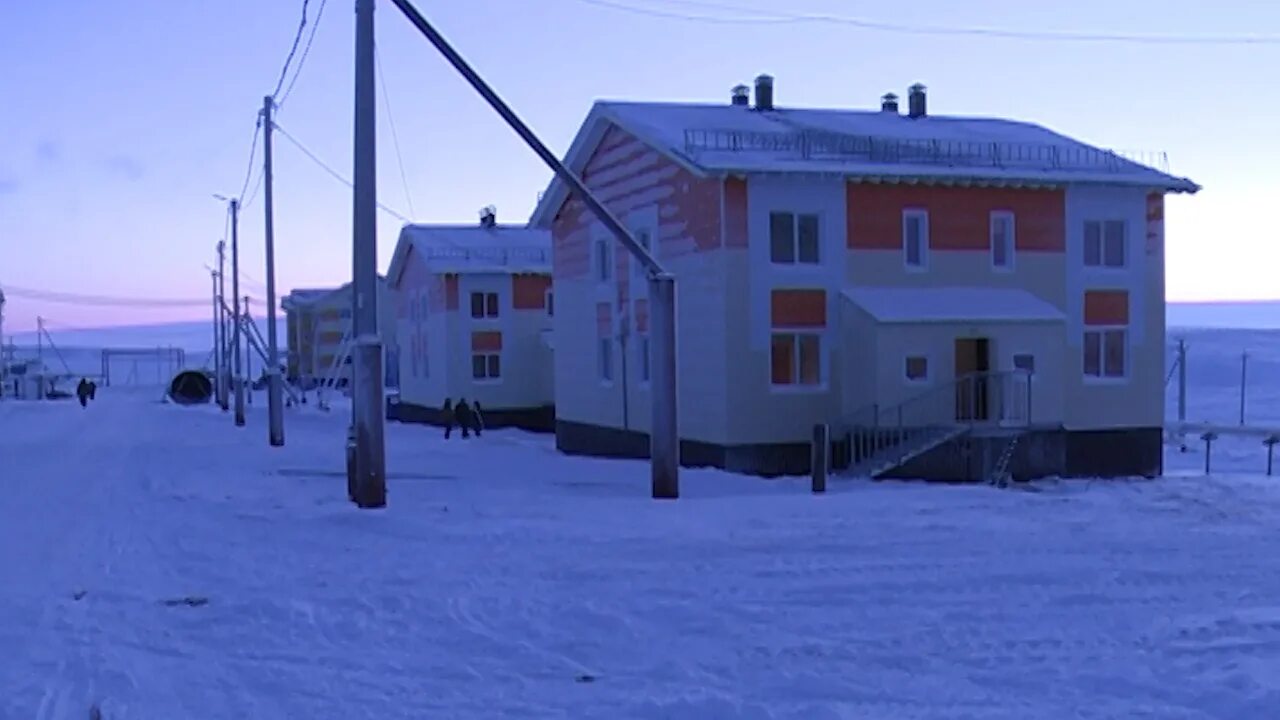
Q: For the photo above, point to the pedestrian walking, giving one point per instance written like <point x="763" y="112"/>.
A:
<point x="465" y="416"/>
<point x="477" y="418"/>
<point x="448" y="417"/>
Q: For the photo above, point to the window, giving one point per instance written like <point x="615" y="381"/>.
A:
<point x="1002" y="240"/>
<point x="1105" y="351"/>
<point x="793" y="238"/>
<point x="915" y="239"/>
<point x="484" y="305"/>
<point x="642" y="349"/>
<point x="796" y="359"/>
<point x="1025" y="362"/>
<point x="604" y="261"/>
<point x="604" y="360"/>
<point x="916" y="369"/>
<point x="1104" y="243"/>
<point x="637" y="267"/>
<point x="486" y="366"/>
<point x="551" y="304"/>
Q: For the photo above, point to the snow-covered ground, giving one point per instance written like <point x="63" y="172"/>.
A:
<point x="506" y="581"/>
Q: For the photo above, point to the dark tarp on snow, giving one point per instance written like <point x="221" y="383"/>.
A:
<point x="191" y="387"/>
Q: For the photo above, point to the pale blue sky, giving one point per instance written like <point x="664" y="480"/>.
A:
<point x="121" y="118"/>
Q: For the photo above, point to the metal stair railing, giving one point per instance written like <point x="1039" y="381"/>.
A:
<point x="889" y="436"/>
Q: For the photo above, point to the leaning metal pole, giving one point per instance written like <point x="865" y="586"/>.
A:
<point x="367" y="481"/>
<point x="664" y="434"/>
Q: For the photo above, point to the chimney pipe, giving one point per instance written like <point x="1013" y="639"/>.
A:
<point x="764" y="92"/>
<point x="889" y="103"/>
<point x="916" y="106"/>
<point x="489" y="217"/>
<point x="741" y="95"/>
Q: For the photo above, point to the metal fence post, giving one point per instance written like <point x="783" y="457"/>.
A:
<point x="1244" y="374"/>
<point x="1208" y="438"/>
<point x="821" y="453"/>
<point x="1270" y="442"/>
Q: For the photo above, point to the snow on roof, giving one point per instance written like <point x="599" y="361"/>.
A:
<point x="309" y="296"/>
<point x="872" y="145"/>
<point x="952" y="304"/>
<point x="477" y="249"/>
<point x="875" y="143"/>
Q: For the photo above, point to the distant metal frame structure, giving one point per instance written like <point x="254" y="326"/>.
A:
<point x="664" y="436"/>
<point x="172" y="358"/>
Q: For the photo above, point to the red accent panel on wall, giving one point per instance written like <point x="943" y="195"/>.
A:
<point x="1106" y="307"/>
<point x="486" y="341"/>
<point x="735" y="212"/>
<point x="798" y="308"/>
<point x="959" y="218"/>
<point x="450" y="292"/>
<point x="529" y="292"/>
<point x="604" y="319"/>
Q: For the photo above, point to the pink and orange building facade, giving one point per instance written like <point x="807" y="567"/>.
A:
<point x="474" y="309"/>
<point x="828" y="261"/>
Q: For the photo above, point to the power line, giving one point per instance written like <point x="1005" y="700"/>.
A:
<point x="752" y="16"/>
<point x="395" y="138"/>
<point x="306" y="50"/>
<point x="288" y="60"/>
<point x="100" y="300"/>
<point x="334" y="173"/>
<point x="253" y="152"/>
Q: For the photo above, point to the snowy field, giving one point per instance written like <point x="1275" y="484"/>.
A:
<point x="161" y="563"/>
<point x="157" y="562"/>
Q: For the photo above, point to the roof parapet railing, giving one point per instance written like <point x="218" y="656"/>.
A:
<point x="503" y="256"/>
<point x="823" y="144"/>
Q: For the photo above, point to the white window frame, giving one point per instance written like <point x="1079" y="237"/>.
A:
<point x="928" y="369"/>
<point x="487" y="379"/>
<point x="605" y="365"/>
<point x="1035" y="363"/>
<point x="796" y="386"/>
<point x="922" y="215"/>
<point x="602" y="261"/>
<point x="426" y="357"/>
<point x="484" y="303"/>
<point x="1125" y="243"/>
<point x="1010" y="252"/>
<point x="1103" y="378"/>
<point x="644" y="359"/>
<point x="795" y="238"/>
<point x="637" y="268"/>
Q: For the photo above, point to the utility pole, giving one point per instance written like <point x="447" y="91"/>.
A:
<point x="248" y="354"/>
<point x="217" y="323"/>
<point x="223" y="391"/>
<point x="40" y="356"/>
<point x="275" y="409"/>
<point x="237" y="379"/>
<point x="368" y="412"/>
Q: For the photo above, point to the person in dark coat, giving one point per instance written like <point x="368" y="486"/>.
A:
<point x="477" y="418"/>
<point x="465" y="416"/>
<point x="448" y="417"/>
<point x="93" y="390"/>
<point x="82" y="392"/>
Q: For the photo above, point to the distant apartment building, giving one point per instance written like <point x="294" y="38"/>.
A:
<point x="474" y="316"/>
<point x="318" y="326"/>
